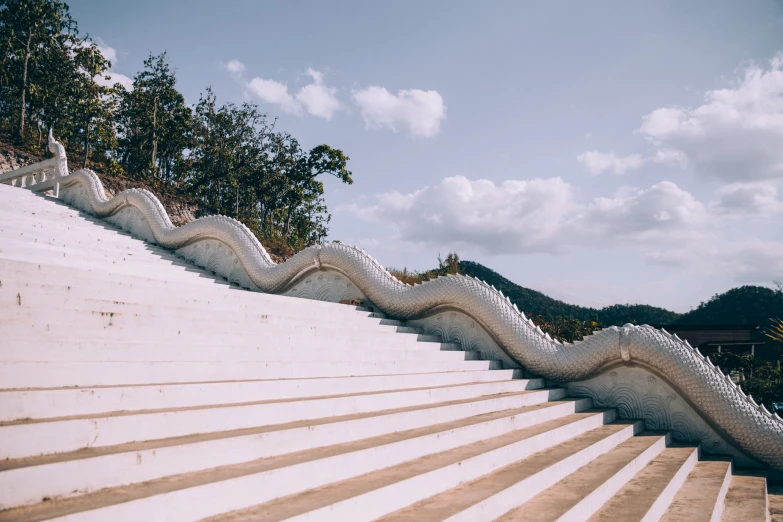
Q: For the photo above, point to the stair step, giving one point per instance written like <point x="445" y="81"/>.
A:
<point x="649" y="493"/>
<point x="456" y="422"/>
<point x="150" y="297"/>
<point x="96" y="373"/>
<point x="212" y="492"/>
<point x="381" y="493"/>
<point x="39" y="287"/>
<point x="22" y="439"/>
<point x="701" y="497"/>
<point x="229" y="349"/>
<point x="775" y="499"/>
<point x="51" y="402"/>
<point x="239" y="395"/>
<point x="746" y="498"/>
<point x="192" y="284"/>
<point x="170" y="271"/>
<point x="581" y="494"/>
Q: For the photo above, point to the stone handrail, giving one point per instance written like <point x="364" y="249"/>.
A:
<point x="230" y="249"/>
<point x="42" y="176"/>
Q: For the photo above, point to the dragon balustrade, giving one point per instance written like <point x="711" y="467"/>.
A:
<point x="642" y="371"/>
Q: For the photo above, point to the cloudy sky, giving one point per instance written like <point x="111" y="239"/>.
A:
<point x="601" y="152"/>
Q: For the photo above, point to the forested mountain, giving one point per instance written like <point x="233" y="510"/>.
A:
<point x="743" y="305"/>
<point x="535" y="303"/>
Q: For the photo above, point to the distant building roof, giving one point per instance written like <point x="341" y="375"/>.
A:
<point x="691" y="327"/>
<point x="711" y="335"/>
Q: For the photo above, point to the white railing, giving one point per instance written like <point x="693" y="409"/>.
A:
<point x="43" y="176"/>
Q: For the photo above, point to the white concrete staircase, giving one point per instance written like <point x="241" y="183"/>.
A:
<point x="134" y="386"/>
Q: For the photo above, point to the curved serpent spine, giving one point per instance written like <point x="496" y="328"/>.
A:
<point x="748" y="426"/>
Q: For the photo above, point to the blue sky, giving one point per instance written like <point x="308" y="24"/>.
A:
<point x="601" y="152"/>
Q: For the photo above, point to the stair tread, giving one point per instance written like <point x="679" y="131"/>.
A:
<point x="30" y="404"/>
<point x="557" y="500"/>
<point x="638" y="496"/>
<point x="238" y="381"/>
<point x="702" y="493"/>
<point x="310" y="500"/>
<point x="746" y="499"/>
<point x="125" y="413"/>
<point x="172" y="483"/>
<point x="89" y="452"/>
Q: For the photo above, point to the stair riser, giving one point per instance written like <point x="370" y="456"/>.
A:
<point x="37" y="404"/>
<point x="717" y="513"/>
<point x="595" y="500"/>
<point x="174" y="335"/>
<point x="195" y="292"/>
<point x="53" y="226"/>
<point x="76" y="242"/>
<point x="151" y="299"/>
<point x="262" y="330"/>
<point x="24" y="440"/>
<point x="64" y="308"/>
<point x="57" y="374"/>
<point x="146" y="296"/>
<point x="161" y="271"/>
<point x="293" y="350"/>
<point x="29" y="485"/>
<point x="401" y="494"/>
<point x="246" y="491"/>
<point x="34" y="249"/>
<point x="106" y="284"/>
<point x="667" y="495"/>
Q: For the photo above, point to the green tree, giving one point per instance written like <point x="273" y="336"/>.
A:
<point x="240" y="166"/>
<point x="153" y="123"/>
<point x="33" y="35"/>
<point x="93" y="104"/>
<point x="229" y="150"/>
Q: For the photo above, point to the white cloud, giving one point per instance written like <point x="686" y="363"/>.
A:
<point x="422" y="112"/>
<point x="315" y="98"/>
<point x="276" y="93"/>
<point x="112" y="77"/>
<point x="748" y="198"/>
<point x="108" y="52"/>
<point x="318" y="99"/>
<point x="735" y="135"/>
<point x="663" y="212"/>
<point x="663" y="223"/>
<point x="515" y="216"/>
<point x="597" y="162"/>
<point x="536" y="215"/>
<point x="235" y="68"/>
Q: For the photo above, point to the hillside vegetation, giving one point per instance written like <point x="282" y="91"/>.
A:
<point x="208" y="157"/>
<point x="535" y="303"/>
<point x="742" y="305"/>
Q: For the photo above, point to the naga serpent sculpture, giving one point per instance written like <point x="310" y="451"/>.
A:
<point x="722" y="405"/>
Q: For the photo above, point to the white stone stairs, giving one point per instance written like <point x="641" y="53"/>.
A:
<point x="134" y="386"/>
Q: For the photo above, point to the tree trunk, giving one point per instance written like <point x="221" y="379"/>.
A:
<point x="86" y="143"/>
<point x="287" y="225"/>
<point x="154" y="134"/>
<point x="24" y="83"/>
